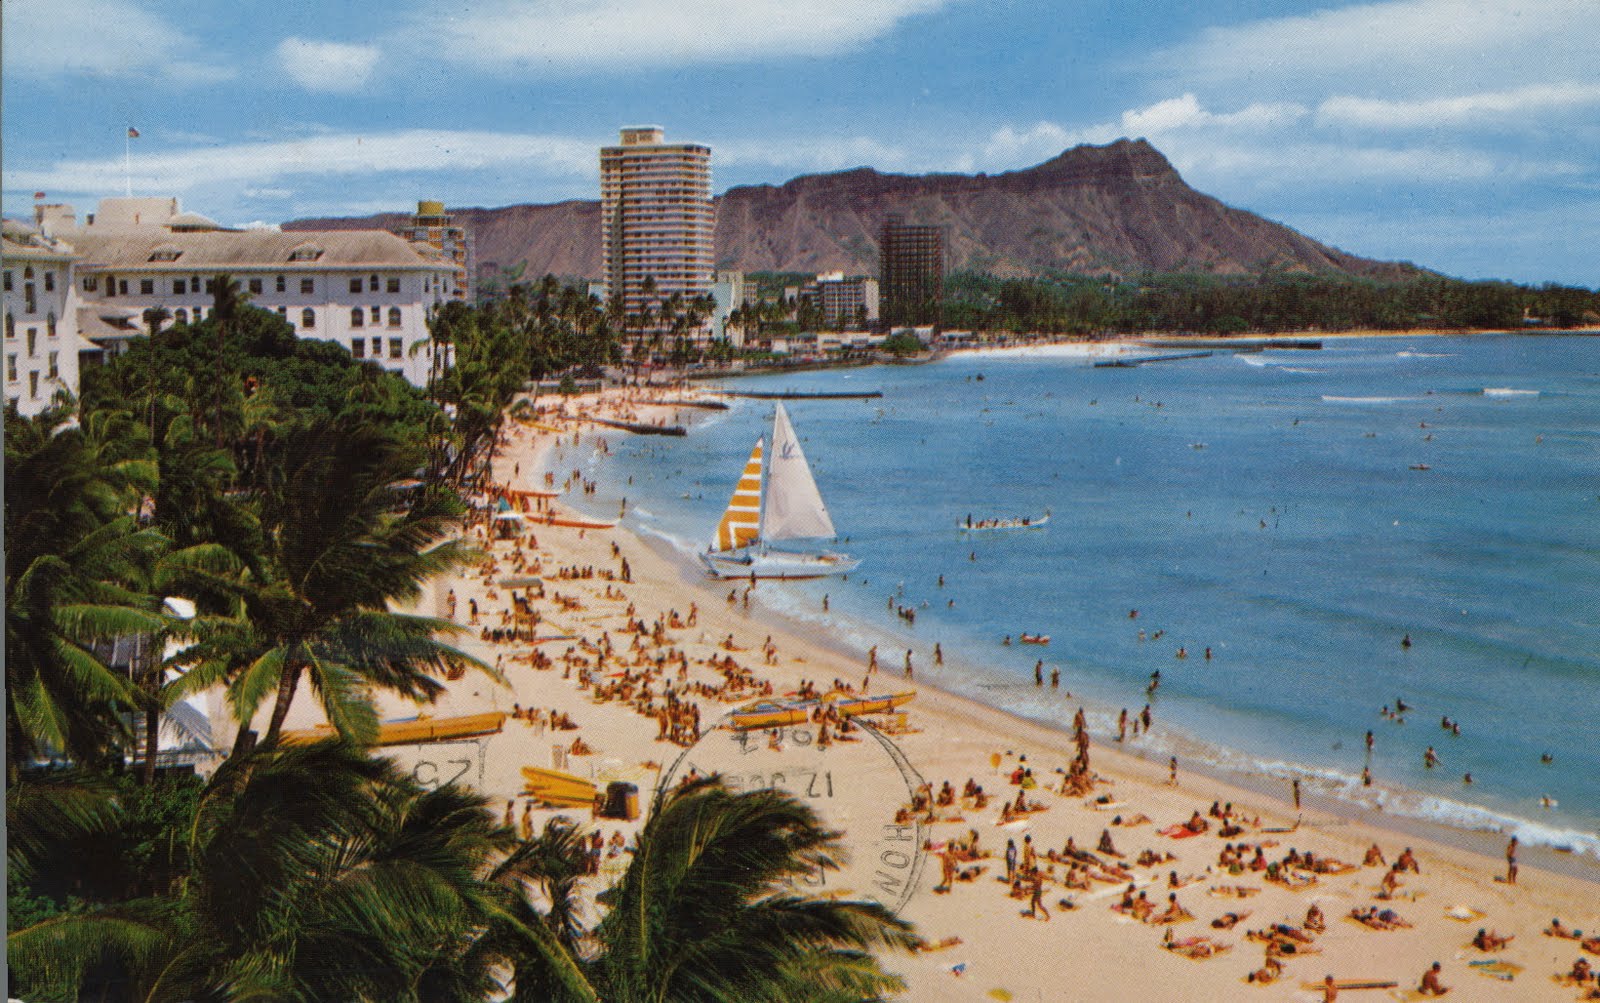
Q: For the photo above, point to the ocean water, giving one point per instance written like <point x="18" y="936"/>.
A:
<point x="1262" y="505"/>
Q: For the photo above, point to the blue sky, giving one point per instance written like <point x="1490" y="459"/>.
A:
<point x="1461" y="135"/>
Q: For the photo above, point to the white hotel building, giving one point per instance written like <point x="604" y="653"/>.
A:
<point x="368" y="290"/>
<point x="41" y="329"/>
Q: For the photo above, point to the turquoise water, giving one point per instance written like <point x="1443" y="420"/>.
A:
<point x="1260" y="505"/>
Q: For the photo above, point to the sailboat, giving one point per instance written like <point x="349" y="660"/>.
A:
<point x="790" y="508"/>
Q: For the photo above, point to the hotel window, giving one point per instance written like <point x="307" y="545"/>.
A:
<point x="54" y="371"/>
<point x="27" y="271"/>
<point x="357" y="317"/>
<point x="281" y="284"/>
<point x="49" y="282"/>
<point x="307" y="287"/>
<point x="308" y="317"/>
<point x="394" y="348"/>
<point x="8" y="282"/>
<point x="394" y="316"/>
<point x="11" y="368"/>
<point x="11" y="326"/>
<point x="33" y="339"/>
<point x="33" y="383"/>
<point x="372" y="286"/>
<point x="283" y="312"/>
<point x="179" y="287"/>
<point x="394" y="285"/>
<point x="122" y="287"/>
<point x="50" y="325"/>
<point x="377" y="348"/>
<point x="181" y="316"/>
<point x="211" y="286"/>
<point x="355" y="284"/>
<point x="358" y="347"/>
<point x="256" y="287"/>
<point x="147" y="287"/>
<point x="377" y="315"/>
<point x="30" y="305"/>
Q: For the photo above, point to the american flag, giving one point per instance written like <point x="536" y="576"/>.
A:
<point x="133" y="133"/>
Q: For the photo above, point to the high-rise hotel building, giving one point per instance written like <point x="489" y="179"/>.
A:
<point x="657" y="221"/>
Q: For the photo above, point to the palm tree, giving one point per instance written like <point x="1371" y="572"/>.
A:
<point x="315" y="873"/>
<point x="76" y="564"/>
<point x="340" y="544"/>
<point x="703" y="912"/>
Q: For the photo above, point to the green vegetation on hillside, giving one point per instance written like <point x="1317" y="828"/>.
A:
<point x="1275" y="302"/>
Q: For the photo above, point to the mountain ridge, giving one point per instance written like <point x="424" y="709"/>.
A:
<point x="1115" y="210"/>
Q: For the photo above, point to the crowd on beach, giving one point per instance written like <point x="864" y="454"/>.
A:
<point x="577" y="617"/>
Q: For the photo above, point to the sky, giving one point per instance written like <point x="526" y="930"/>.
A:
<point x="1460" y="135"/>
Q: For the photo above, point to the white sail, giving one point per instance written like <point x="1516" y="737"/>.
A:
<point x="793" y="508"/>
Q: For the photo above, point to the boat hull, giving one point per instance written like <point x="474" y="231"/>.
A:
<point x="776" y="564"/>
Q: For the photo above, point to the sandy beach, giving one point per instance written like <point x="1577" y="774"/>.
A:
<point x="720" y="649"/>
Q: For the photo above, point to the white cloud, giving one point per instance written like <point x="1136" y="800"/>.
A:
<point x="1179" y="116"/>
<point x="1398" y="46"/>
<point x="1185" y="112"/>
<point x="104" y="38"/>
<point x="1263" y="145"/>
<point x="332" y="67"/>
<point x="623" y="36"/>
<point x="259" y="164"/>
<point x="1458" y="109"/>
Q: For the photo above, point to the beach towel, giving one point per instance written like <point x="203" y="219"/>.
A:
<point x="1177" y="832"/>
<point x="1464" y="914"/>
<point x="1505" y="971"/>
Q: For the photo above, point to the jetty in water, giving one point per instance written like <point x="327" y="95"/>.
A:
<point x="798" y="395"/>
<point x="639" y="428"/>
<point x="1136" y="363"/>
<point x="707" y="405"/>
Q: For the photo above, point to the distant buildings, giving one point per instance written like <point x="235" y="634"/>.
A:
<point x="656" y="222"/>
<point x="368" y="290"/>
<point x="911" y="272"/>
<point x="41" y="324"/>
<point x="437" y="229"/>
<point x="843" y="302"/>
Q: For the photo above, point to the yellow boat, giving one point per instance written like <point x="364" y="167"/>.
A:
<point x="414" y="731"/>
<point x="851" y="706"/>
<point x="771" y="714"/>
<point x="563" y="790"/>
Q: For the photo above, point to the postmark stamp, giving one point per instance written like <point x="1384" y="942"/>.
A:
<point x="860" y="783"/>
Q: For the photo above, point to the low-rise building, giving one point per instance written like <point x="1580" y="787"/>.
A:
<point x="368" y="290"/>
<point x="41" y="331"/>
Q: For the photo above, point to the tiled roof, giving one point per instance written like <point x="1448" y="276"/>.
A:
<point x="248" y="249"/>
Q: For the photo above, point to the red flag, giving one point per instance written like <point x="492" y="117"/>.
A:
<point x="133" y="133"/>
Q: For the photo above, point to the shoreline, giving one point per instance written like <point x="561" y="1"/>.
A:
<point x="973" y="931"/>
<point x="1258" y="783"/>
<point x="1542" y="838"/>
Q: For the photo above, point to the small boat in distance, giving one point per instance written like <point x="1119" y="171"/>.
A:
<point x="782" y="505"/>
<point x="969" y="525"/>
<point x="1035" y="638"/>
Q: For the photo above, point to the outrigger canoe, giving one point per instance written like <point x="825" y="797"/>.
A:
<point x="771" y="714"/>
<point x="848" y="706"/>
<point x="1035" y="638"/>
<point x="411" y="731"/>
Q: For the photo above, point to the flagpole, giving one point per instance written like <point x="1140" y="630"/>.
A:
<point x="127" y="163"/>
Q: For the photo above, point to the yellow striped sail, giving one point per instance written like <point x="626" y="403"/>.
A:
<point x="741" y="523"/>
